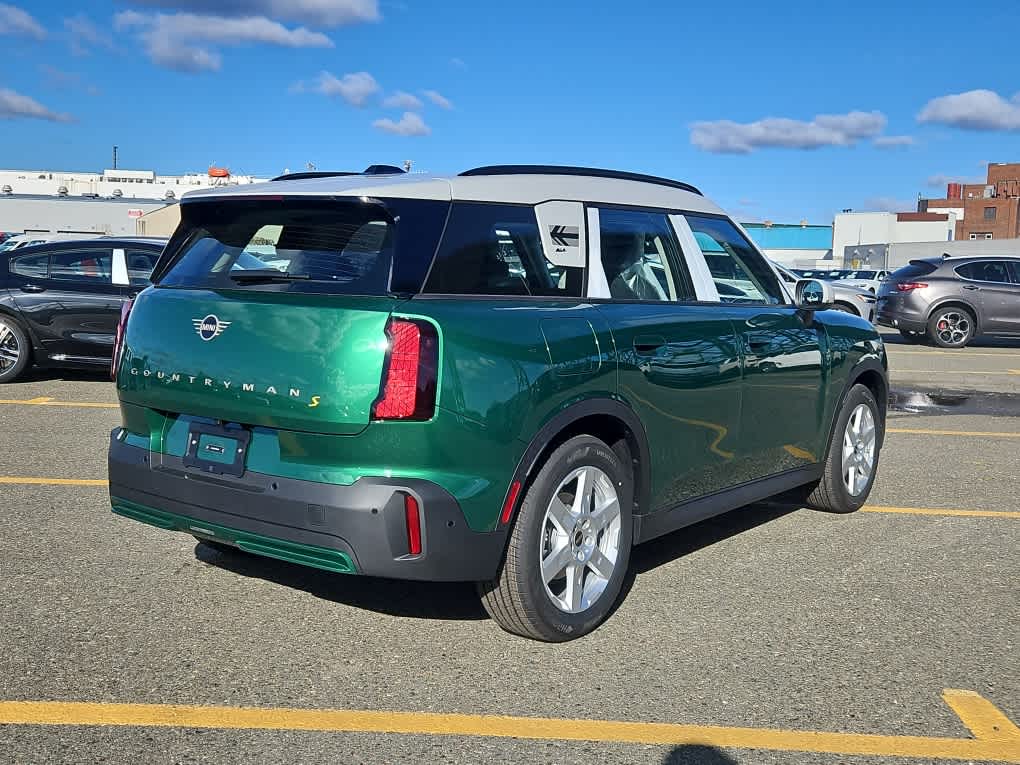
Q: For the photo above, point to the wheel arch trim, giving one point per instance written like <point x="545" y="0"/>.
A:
<point x="562" y="420"/>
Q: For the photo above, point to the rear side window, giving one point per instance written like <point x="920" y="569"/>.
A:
<point x="740" y="274"/>
<point x="985" y="271"/>
<point x="92" y="265"/>
<point x="491" y="249"/>
<point x="640" y="257"/>
<point x="913" y="270"/>
<point x="33" y="266"/>
<point x="314" y="245"/>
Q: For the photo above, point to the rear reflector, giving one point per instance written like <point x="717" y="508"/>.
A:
<point x="908" y="286"/>
<point x="411" y="511"/>
<point x="410" y="372"/>
<point x="511" y="500"/>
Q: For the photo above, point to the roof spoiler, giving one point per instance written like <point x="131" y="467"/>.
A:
<point x="370" y="170"/>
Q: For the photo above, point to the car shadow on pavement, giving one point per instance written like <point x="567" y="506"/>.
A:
<point x="458" y="601"/>
<point x="455" y="601"/>
<point x="685" y="541"/>
<point x="697" y="754"/>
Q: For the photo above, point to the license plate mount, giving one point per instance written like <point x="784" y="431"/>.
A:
<point x="217" y="449"/>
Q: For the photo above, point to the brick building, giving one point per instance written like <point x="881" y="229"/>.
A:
<point x="988" y="210"/>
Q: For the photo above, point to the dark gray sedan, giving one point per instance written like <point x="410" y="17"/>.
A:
<point x="950" y="301"/>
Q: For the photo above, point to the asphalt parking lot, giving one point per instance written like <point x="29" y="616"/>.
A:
<point x="771" y="635"/>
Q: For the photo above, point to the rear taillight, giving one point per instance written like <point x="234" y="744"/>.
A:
<point x="409" y="373"/>
<point x="908" y="286"/>
<point x="118" y="344"/>
<point x="412" y="513"/>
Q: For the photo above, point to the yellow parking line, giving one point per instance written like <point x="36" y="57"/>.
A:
<point x="29" y="481"/>
<point x="44" y="401"/>
<point x="968" y="433"/>
<point x="996" y="739"/>
<point x="962" y="353"/>
<point x="899" y="371"/>
<point x="941" y="511"/>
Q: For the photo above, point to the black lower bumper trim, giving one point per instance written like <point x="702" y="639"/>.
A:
<point x="365" y="521"/>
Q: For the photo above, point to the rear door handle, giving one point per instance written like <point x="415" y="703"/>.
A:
<point x="971" y="287"/>
<point x="647" y="345"/>
<point x="32" y="288"/>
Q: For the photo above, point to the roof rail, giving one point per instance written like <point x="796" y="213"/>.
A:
<point x="313" y="174"/>
<point x="370" y="170"/>
<point x="591" y="172"/>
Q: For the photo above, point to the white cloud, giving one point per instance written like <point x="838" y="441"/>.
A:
<point x="437" y="98"/>
<point x="355" y="88"/>
<point x="15" y="21"/>
<point x="973" y="110"/>
<point x="893" y="141"/>
<point x="727" y="137"/>
<point x="889" y="204"/>
<point x="409" y="124"/>
<point x="458" y="62"/>
<point x="170" y="40"/>
<point x="17" y="106"/>
<point x="317" y="13"/>
<point x="84" y="35"/>
<point x="403" y="100"/>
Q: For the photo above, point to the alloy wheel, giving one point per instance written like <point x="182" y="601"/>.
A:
<point x="953" y="327"/>
<point x="10" y="348"/>
<point x="580" y="540"/>
<point x="859" y="441"/>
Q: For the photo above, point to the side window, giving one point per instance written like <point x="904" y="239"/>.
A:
<point x="985" y="271"/>
<point x="641" y="257"/>
<point x="34" y="266"/>
<point x="740" y="274"/>
<point x="139" y="265"/>
<point x="491" y="249"/>
<point x="1014" y="267"/>
<point x="92" y="265"/>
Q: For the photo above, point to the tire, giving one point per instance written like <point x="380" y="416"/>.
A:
<point x="844" y="308"/>
<point x="15" y="350"/>
<point x="832" y="493"/>
<point x="524" y="601"/>
<point x="951" y="327"/>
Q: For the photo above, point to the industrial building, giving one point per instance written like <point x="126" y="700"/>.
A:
<point x="854" y="234"/>
<point x="989" y="210"/>
<point x="118" y="183"/>
<point x="794" y="245"/>
<point x="35" y="214"/>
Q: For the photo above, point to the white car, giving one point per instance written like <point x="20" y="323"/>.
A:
<point x="869" y="279"/>
<point x="27" y="240"/>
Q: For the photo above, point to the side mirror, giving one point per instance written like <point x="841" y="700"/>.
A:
<point x="814" y="294"/>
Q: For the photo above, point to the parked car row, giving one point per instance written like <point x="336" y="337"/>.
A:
<point x="848" y="298"/>
<point x="867" y="279"/>
<point x="60" y="301"/>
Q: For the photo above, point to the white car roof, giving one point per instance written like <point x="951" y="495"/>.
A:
<point x="526" y="187"/>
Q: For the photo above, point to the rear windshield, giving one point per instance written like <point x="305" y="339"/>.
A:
<point x="915" y="268"/>
<point x="323" y="246"/>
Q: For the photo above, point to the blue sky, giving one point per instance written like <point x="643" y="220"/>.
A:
<point x="778" y="110"/>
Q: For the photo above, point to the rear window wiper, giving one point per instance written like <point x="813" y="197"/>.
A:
<point x="266" y="275"/>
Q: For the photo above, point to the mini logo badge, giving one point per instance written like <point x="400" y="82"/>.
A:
<point x="210" y="327"/>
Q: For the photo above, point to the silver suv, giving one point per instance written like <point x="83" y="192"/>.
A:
<point x="950" y="301"/>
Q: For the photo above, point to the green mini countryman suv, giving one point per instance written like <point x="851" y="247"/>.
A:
<point x="509" y="376"/>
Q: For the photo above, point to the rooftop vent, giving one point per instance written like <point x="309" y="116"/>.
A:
<point x="117" y="194"/>
<point x="7" y="189"/>
<point x="62" y="191"/>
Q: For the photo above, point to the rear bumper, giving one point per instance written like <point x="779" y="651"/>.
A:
<point x="358" y="528"/>
<point x="892" y="311"/>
